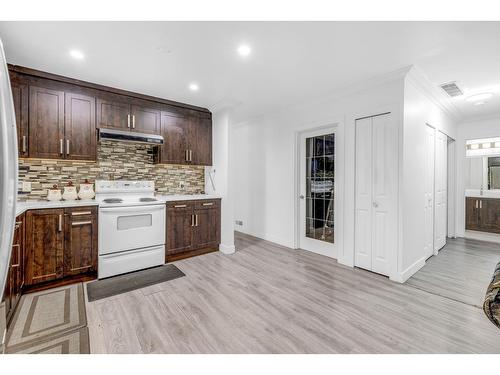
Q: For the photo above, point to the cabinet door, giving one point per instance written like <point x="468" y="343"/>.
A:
<point x="79" y="127"/>
<point x="174" y="128"/>
<point x="46" y="123"/>
<point x="44" y="245"/>
<point x="80" y="240"/>
<point x="201" y="140"/>
<point x="206" y="232"/>
<point x="180" y="223"/>
<point x="113" y="114"/>
<point x="145" y="120"/>
<point x="471" y="213"/>
<point x="489" y="215"/>
<point x="20" y="97"/>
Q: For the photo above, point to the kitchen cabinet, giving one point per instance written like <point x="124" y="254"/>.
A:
<point x="193" y="228"/>
<point x="46" y="123"/>
<point x="188" y="138"/>
<point x="20" y="98"/>
<point x="482" y="214"/>
<point x="79" y="127"/>
<point x="80" y="241"/>
<point x="145" y="119"/>
<point x="15" y="275"/>
<point x="60" y="243"/>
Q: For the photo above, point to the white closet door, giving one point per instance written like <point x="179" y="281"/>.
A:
<point x="376" y="193"/>
<point x="440" y="210"/>
<point x="363" y="210"/>
<point x="385" y="173"/>
<point x="429" y="191"/>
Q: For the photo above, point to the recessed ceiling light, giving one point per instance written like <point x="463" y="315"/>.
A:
<point x="244" y="50"/>
<point x="479" y="97"/>
<point x="194" y="87"/>
<point x="76" y="54"/>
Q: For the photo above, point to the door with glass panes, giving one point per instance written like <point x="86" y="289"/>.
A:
<point x="317" y="192"/>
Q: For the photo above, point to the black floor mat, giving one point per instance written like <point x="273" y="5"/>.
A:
<point x="131" y="281"/>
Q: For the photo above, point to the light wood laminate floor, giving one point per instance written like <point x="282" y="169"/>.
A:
<point x="266" y="298"/>
<point x="461" y="271"/>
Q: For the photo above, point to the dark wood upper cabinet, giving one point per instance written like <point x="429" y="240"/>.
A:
<point x="145" y="120"/>
<point x="113" y="114"/>
<point x="79" y="127"/>
<point x="180" y="220"/>
<point x="46" y="123"/>
<point x="80" y="240"/>
<point x="201" y="140"/>
<point x="175" y="131"/>
<point x="20" y="97"/>
<point x="44" y="245"/>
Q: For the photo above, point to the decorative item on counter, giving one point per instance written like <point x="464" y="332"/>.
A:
<point x="54" y="194"/>
<point x="69" y="193"/>
<point x="86" y="190"/>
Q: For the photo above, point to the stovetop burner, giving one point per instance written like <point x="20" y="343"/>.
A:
<point x="113" y="200"/>
<point x="147" y="199"/>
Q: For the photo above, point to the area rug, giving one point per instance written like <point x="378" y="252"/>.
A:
<point x="46" y="314"/>
<point x="72" y="342"/>
<point x="131" y="281"/>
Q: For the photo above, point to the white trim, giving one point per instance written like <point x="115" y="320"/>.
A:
<point x="401" y="277"/>
<point x="227" y="249"/>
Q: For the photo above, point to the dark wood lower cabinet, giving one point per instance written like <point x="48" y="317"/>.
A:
<point x="193" y="228"/>
<point x="15" y="276"/>
<point x="60" y="243"/>
<point x="482" y="214"/>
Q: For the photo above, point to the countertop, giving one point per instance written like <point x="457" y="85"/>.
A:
<point x="476" y="193"/>
<point x="42" y="204"/>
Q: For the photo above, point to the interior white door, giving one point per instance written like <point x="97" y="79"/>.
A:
<point x="441" y="193"/>
<point x="429" y="191"/>
<point x="318" y="187"/>
<point x="376" y="193"/>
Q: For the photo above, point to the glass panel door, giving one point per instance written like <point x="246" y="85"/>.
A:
<point x="319" y="174"/>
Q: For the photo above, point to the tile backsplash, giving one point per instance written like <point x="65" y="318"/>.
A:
<point x="115" y="160"/>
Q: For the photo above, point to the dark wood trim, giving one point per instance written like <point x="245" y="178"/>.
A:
<point x="61" y="282"/>
<point x="189" y="254"/>
<point x="95" y="86"/>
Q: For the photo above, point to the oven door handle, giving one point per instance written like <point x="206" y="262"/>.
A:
<point x="144" y="209"/>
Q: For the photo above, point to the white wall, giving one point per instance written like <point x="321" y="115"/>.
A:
<point x="419" y="109"/>
<point x="264" y="151"/>
<point x="469" y="130"/>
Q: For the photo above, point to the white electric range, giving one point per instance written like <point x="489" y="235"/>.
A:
<point x="131" y="227"/>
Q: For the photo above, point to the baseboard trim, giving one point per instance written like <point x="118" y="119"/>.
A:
<point x="227" y="249"/>
<point x="401" y="277"/>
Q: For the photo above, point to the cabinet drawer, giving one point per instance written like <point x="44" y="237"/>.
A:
<point x="180" y="205"/>
<point x="81" y="212"/>
<point x="204" y="204"/>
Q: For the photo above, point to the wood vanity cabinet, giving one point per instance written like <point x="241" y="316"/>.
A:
<point x="60" y="243"/>
<point x="15" y="275"/>
<point x="193" y="228"/>
<point x="482" y="214"/>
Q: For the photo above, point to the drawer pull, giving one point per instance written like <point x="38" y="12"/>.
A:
<point x="76" y="223"/>
<point x="196" y="220"/>
<point x="180" y="206"/>
<point x="24" y="144"/>
<point x="208" y="204"/>
<point x="79" y="213"/>
<point x="60" y="223"/>
<point x="192" y="220"/>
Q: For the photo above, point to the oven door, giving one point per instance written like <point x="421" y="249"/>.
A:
<point x="126" y="228"/>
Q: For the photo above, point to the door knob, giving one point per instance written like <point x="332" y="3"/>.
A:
<point x="375" y="204"/>
<point x="301" y="196"/>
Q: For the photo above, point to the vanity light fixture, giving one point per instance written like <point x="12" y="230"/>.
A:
<point x="482" y="147"/>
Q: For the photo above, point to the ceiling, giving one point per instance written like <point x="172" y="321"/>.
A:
<point x="290" y="62"/>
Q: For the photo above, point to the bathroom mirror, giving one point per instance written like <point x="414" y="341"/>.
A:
<point x="482" y="173"/>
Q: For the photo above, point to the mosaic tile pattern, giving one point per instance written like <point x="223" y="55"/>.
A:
<point x="115" y="160"/>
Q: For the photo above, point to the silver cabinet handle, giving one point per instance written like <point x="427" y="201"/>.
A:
<point x="301" y="196"/>
<point x="190" y="155"/>
<point x="196" y="220"/>
<point x="480" y="204"/>
<point x="67" y="146"/>
<point x="133" y="121"/>
<point x="208" y="204"/>
<point x="60" y="223"/>
<point x="81" y="223"/>
<point x="180" y="205"/>
<point x="192" y="220"/>
<point x="79" y="213"/>
<point x="24" y="144"/>
<point x="477" y="204"/>
<point x="128" y="121"/>
<point x="187" y="155"/>
<point x="61" y="151"/>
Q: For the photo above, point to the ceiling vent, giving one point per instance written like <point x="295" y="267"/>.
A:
<point x="452" y="89"/>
